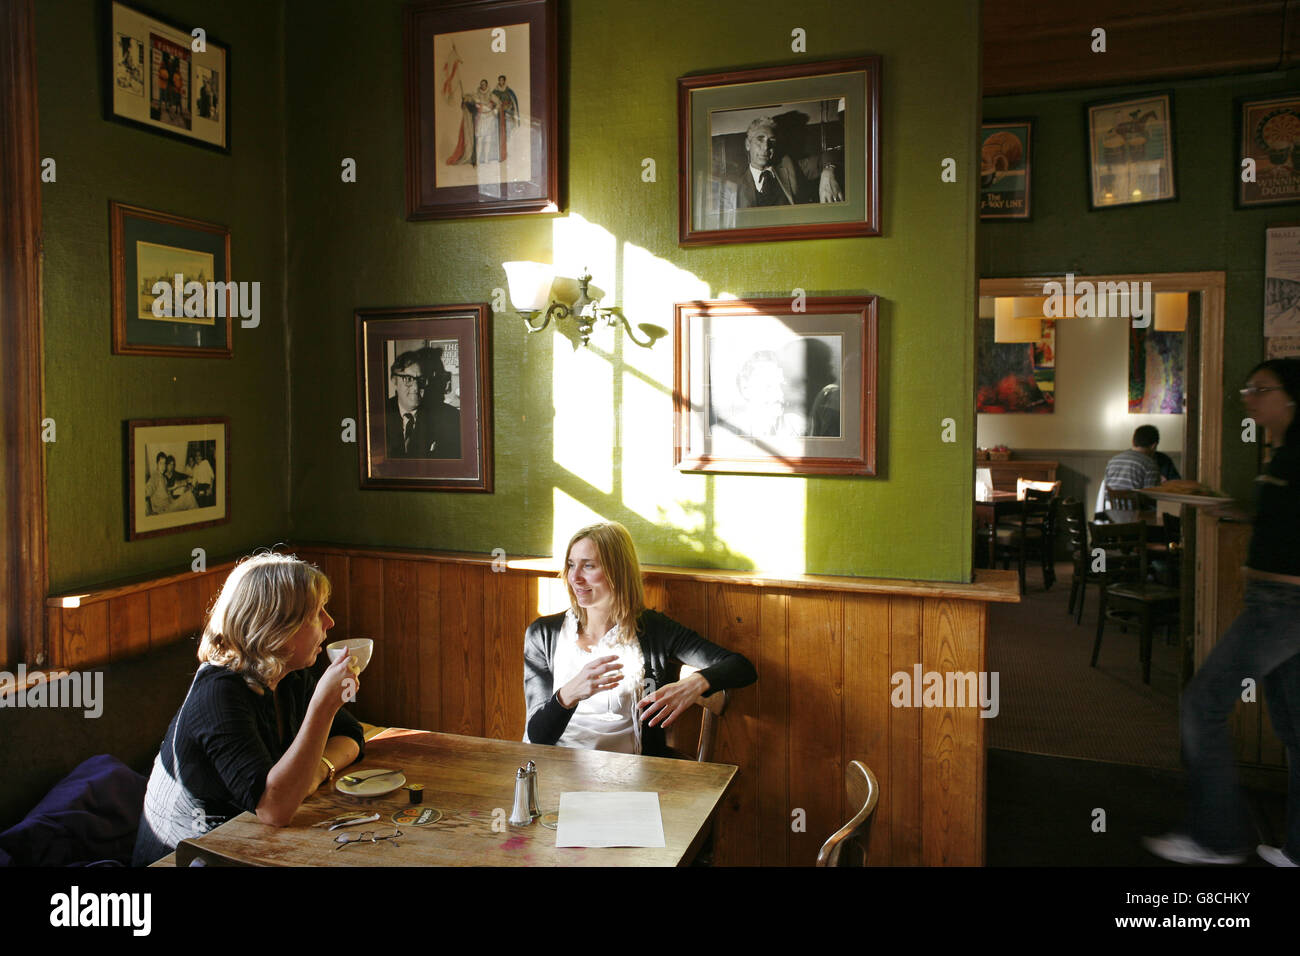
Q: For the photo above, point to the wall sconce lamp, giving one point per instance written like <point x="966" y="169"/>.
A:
<point x="534" y="288"/>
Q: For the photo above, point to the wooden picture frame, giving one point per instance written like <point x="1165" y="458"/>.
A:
<point x="1269" y="133"/>
<point x="1006" y="170"/>
<point x="148" y="247"/>
<point x="163" y="499"/>
<point x="762" y="387"/>
<point x="1130" y="151"/>
<point x="424" y="397"/>
<point x="155" y="80"/>
<point x="456" y="116"/>
<point x="824" y="119"/>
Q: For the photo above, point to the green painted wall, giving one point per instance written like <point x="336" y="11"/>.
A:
<point x="1200" y="231"/>
<point x="88" y="391"/>
<point x="590" y="432"/>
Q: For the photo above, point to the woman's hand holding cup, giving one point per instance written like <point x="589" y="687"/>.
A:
<point x="337" y="685"/>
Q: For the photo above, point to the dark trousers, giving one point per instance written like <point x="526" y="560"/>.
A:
<point x="1263" y="643"/>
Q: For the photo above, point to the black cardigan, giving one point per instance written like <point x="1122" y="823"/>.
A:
<point x="664" y="642"/>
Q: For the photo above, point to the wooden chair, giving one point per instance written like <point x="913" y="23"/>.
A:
<point x="848" y="845"/>
<point x="1121" y="499"/>
<point x="1126" y="594"/>
<point x="1026" y="529"/>
<point x="1075" y="524"/>
<point x="711" y="710"/>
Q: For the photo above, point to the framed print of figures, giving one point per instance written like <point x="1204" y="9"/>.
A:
<point x="425" y="396"/>
<point x="172" y="292"/>
<point x="759" y="387"/>
<point x="1270" y="136"/>
<point x="780" y="153"/>
<point x="158" y="81"/>
<point x="481" y="113"/>
<point x="178" y="475"/>
<point x="1005" y="169"/>
<point x="1131" y="151"/>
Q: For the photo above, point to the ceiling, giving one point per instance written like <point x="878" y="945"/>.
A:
<point x="1030" y="45"/>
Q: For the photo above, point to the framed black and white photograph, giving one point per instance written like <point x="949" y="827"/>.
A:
<point x="423" y="386"/>
<point x="780" y="153"/>
<point x="764" y="388"/>
<point x="158" y="81"/>
<point x="178" y="475"/>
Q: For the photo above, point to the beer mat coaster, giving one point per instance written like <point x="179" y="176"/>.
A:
<point x="416" y="816"/>
<point x="550" y="820"/>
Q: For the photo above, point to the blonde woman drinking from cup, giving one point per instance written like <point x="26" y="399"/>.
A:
<point x="601" y="675"/>
<point x="257" y="730"/>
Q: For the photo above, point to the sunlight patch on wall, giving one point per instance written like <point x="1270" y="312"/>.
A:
<point x="582" y="386"/>
<point x="763" y="519"/>
<point x="570" y="515"/>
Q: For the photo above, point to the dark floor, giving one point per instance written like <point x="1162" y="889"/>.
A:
<point x="1041" y="811"/>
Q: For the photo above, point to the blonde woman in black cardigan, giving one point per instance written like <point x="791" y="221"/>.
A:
<point x="603" y="674"/>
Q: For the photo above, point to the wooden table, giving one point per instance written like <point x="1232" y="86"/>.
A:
<point x="470" y="779"/>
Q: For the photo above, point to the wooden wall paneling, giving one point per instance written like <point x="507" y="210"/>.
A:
<point x="189" y="602"/>
<point x="53" y="639"/>
<point x="686" y="602"/>
<point x="505" y="617"/>
<point x="816" y="722"/>
<point x="85" y="635"/>
<point x="209" y="589"/>
<point x="400" y="648"/>
<point x="733" y="624"/>
<point x="164" y="615"/>
<point x="773" y="740"/>
<point x="904" y="788"/>
<point x="429" y="649"/>
<point x="867" y="689"/>
<point x="952" y="757"/>
<point x="128" y="625"/>
<point x="462" y="648"/>
<point x="366" y="615"/>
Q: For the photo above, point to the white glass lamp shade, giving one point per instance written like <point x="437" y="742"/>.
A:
<point x="1171" y="311"/>
<point x="530" y="285"/>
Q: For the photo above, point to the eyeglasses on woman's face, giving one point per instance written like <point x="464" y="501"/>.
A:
<point x="1251" y="390"/>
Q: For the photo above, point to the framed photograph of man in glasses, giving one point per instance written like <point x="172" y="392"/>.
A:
<point x="425" y="398"/>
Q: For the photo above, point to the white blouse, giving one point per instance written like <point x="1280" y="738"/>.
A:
<point x="607" y="720"/>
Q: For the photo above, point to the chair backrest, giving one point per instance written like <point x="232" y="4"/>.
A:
<point x="1173" y="528"/>
<point x="1122" y="499"/>
<point x="848" y="845"/>
<point x="1026" y="484"/>
<point x="714" y="706"/>
<point x="1076" y="528"/>
<point x="1126" y="549"/>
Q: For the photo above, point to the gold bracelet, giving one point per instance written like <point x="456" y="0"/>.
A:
<point x="329" y="766"/>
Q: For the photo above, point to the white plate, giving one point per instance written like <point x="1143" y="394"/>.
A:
<point x="372" y="787"/>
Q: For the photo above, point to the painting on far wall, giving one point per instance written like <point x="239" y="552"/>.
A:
<point x="1270" y="135"/>
<point x="1004" y="170"/>
<point x="1156" y="372"/>
<point x="1016" y="378"/>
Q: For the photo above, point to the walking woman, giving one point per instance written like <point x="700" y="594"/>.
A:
<point x="1263" y="644"/>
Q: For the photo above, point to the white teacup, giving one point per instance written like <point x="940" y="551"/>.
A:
<point x="359" y="647"/>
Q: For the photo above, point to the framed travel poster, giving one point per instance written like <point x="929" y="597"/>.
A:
<point x="1131" y="151"/>
<point x="172" y="293"/>
<point x="789" y="152"/>
<point x="424" y="393"/>
<point x="762" y="388"/>
<point x="481" y="114"/>
<point x="157" y="80"/>
<point x="178" y="475"/>
<point x="1005" y="169"/>
<point x="1270" y="135"/>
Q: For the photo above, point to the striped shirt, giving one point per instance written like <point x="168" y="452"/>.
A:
<point x="1131" y="469"/>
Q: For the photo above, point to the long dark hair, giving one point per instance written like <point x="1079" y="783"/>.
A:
<point x="1287" y="371"/>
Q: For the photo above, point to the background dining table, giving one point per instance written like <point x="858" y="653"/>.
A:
<point x="471" y="780"/>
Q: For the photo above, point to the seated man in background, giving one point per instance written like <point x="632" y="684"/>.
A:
<point x="1135" y="468"/>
